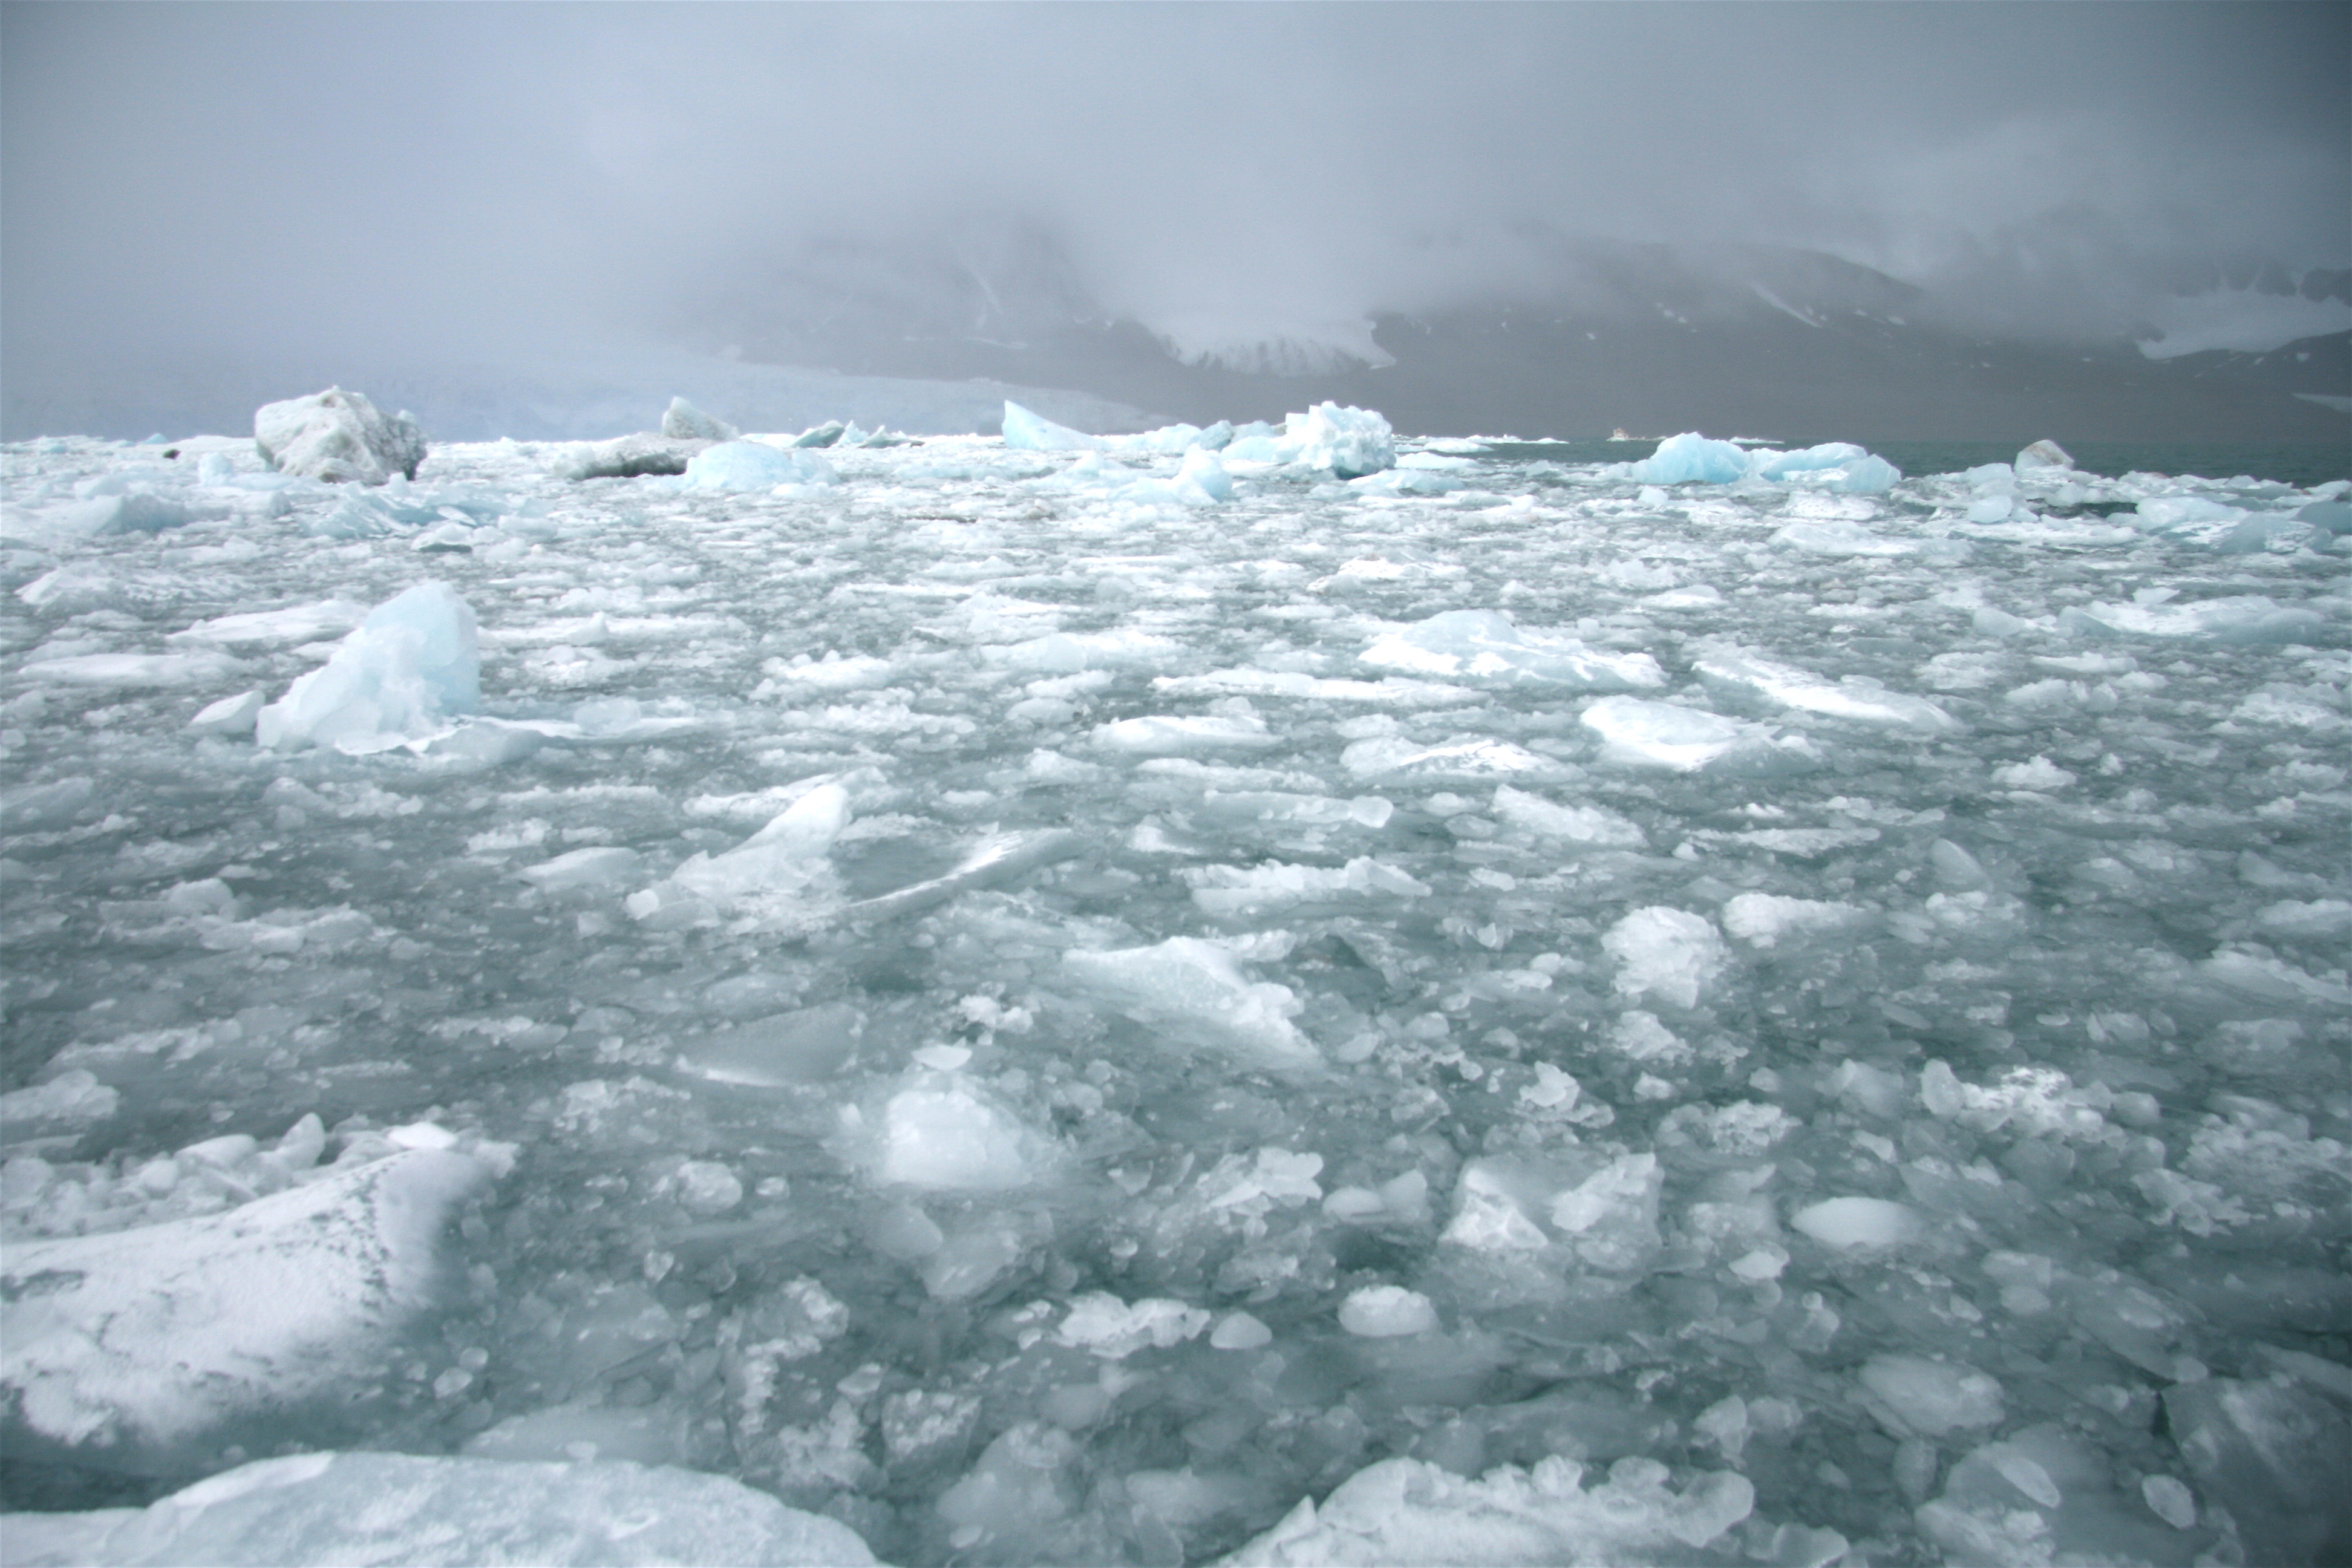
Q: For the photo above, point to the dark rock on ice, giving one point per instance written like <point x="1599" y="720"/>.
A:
<point x="338" y="437"/>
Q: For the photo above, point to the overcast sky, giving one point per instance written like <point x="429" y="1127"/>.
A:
<point x="483" y="180"/>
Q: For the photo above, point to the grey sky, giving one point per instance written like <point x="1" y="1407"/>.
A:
<point x="510" y="180"/>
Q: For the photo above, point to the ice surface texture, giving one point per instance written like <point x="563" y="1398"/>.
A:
<point x="1051" y="1004"/>
<point x="338" y="437"/>
<point x="312" y="1508"/>
<point x="145" y="1336"/>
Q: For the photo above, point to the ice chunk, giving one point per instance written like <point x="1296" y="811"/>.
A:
<point x="1202" y="471"/>
<point x="1238" y="1330"/>
<point x="28" y="808"/>
<point x="151" y="1335"/>
<point x="415" y="1509"/>
<point x="1026" y="430"/>
<point x="1237" y="889"/>
<point x="807" y="1046"/>
<point x="1789" y="687"/>
<point x="1857" y="1222"/>
<point x="1667" y="735"/>
<point x="276" y="628"/>
<point x="1667" y="952"/>
<point x="1167" y="735"/>
<point x="1484" y="645"/>
<point x="411" y="665"/>
<point x="1842" y="537"/>
<point x="753" y="466"/>
<point x="73" y="1097"/>
<point x="1387" y="1312"/>
<point x="1115" y="1330"/>
<point x="1594" y="824"/>
<point x="1839" y="466"/>
<point x="706" y="1187"/>
<point x="682" y="421"/>
<point x="782" y="856"/>
<point x="131" y="671"/>
<point x="599" y="866"/>
<point x="1349" y="442"/>
<point x="2247" y="618"/>
<point x="1690" y="458"/>
<point x="625" y="458"/>
<point x="1194" y="994"/>
<point x="943" y="1134"/>
<point x="1932" y="1398"/>
<point x="1768" y="920"/>
<point x="2044" y="456"/>
<point x="1598" y="1213"/>
<point x="1409" y="1510"/>
<point x="338" y="437"/>
<point x="135" y="511"/>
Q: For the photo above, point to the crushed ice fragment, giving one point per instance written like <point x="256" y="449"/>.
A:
<point x="1387" y="1311"/>
<point x="1857" y="1222"/>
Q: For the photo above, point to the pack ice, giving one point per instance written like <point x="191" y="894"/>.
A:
<point x="1265" y="993"/>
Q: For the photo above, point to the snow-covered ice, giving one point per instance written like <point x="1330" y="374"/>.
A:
<point x="338" y="437"/>
<point x="1283" y="993"/>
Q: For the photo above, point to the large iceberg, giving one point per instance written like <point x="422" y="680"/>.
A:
<point x="337" y="436"/>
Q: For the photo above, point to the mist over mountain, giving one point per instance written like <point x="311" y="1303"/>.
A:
<point x="1796" y="216"/>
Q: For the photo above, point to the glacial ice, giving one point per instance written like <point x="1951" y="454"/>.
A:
<point x="753" y="466"/>
<point x="409" y="667"/>
<point x="337" y="437"/>
<point x="1824" y="1007"/>
<point x="682" y="421"/>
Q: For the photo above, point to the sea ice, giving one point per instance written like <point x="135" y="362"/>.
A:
<point x="753" y="466"/>
<point x="1192" y="993"/>
<point x="1785" y="686"/>
<point x="1857" y="1222"/>
<point x="1665" y="735"/>
<point x="1485" y="645"/>
<point x="1933" y="1398"/>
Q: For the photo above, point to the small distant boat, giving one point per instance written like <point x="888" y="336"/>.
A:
<point x="1619" y="435"/>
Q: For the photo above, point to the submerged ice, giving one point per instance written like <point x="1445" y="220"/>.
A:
<point x="1264" y="994"/>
